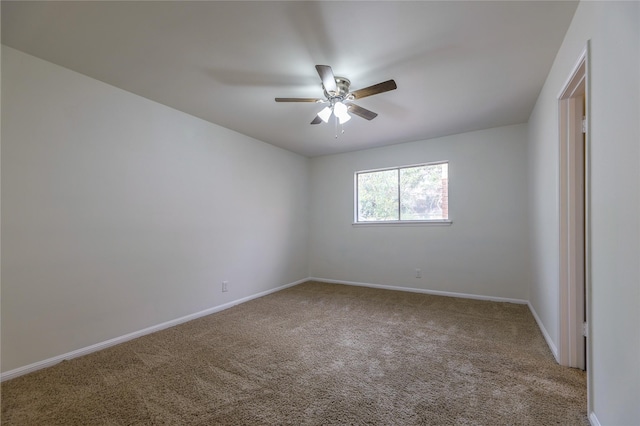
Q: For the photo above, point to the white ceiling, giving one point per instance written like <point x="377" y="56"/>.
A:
<point x="459" y="66"/>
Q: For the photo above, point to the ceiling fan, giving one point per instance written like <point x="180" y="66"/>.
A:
<point x="337" y="94"/>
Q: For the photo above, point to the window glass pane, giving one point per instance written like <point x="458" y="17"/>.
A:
<point x="423" y="192"/>
<point x="378" y="196"/>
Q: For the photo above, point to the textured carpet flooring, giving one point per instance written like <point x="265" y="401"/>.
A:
<point x="317" y="354"/>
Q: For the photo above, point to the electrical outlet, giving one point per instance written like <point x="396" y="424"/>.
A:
<point x="225" y="286"/>
<point x="418" y="273"/>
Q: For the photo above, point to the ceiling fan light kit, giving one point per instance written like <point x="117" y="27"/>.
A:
<point x="337" y="94"/>
<point x="325" y="114"/>
<point x="340" y="111"/>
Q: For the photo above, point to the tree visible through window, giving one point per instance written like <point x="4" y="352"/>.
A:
<point x="412" y="193"/>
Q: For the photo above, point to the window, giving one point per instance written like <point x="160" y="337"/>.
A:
<point x="417" y="193"/>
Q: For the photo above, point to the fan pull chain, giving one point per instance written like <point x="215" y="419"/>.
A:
<point x="335" y="126"/>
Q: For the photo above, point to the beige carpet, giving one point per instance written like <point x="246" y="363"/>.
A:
<point x="317" y="354"/>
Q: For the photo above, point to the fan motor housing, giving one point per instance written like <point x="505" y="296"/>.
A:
<point x="342" y="85"/>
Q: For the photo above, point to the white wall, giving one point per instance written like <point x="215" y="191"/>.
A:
<point x="484" y="252"/>
<point x="613" y="28"/>
<point x="119" y="213"/>
<point x="543" y="156"/>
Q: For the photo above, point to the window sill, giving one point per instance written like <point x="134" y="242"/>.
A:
<point x="405" y="223"/>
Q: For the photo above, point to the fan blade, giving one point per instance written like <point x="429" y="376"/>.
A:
<point x="317" y="120"/>
<point x="328" y="79"/>
<point x="299" y="100"/>
<point x="374" y="90"/>
<point x="362" y="112"/>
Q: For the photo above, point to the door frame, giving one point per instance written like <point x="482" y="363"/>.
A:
<point x="575" y="227"/>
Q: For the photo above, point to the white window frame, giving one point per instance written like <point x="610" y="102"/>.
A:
<point x="427" y="222"/>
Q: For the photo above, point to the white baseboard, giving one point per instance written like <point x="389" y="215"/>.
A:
<point x="547" y="337"/>
<point x="423" y="291"/>
<point x="593" y="419"/>
<point x="117" y="340"/>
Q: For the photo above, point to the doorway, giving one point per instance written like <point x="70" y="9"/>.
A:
<point x="573" y="103"/>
